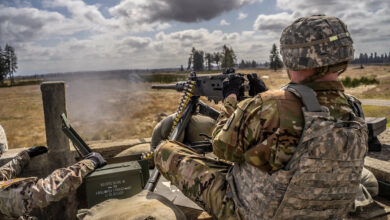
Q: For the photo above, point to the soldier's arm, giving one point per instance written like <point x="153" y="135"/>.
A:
<point x="13" y="168"/>
<point x="60" y="183"/>
<point x="235" y="130"/>
<point x="229" y="106"/>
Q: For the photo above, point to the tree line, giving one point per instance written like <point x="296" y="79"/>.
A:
<point x="373" y="58"/>
<point x="200" y="60"/>
<point x="8" y="63"/>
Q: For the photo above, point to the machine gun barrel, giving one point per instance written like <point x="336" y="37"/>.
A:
<point x="179" y="86"/>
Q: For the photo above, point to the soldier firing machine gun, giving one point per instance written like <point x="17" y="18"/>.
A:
<point x="211" y="86"/>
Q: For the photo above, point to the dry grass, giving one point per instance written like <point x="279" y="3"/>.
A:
<point x="21" y="115"/>
<point x="381" y="91"/>
<point x="121" y="109"/>
<point x="377" y="111"/>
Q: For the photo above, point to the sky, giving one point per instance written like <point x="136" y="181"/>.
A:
<point x="78" y="35"/>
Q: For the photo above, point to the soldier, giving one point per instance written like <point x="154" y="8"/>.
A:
<point x="18" y="196"/>
<point x="272" y="177"/>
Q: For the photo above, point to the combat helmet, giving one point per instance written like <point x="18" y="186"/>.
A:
<point x="317" y="42"/>
<point x="3" y="141"/>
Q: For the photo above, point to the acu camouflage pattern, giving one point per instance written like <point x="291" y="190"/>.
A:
<point x="305" y="43"/>
<point x="19" y="196"/>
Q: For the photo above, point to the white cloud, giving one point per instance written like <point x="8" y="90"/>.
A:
<point x="105" y="51"/>
<point x="275" y="22"/>
<point x="242" y="16"/>
<point x="223" y="22"/>
<point x="27" y="24"/>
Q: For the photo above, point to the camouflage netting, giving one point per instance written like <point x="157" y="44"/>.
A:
<point x="315" y="41"/>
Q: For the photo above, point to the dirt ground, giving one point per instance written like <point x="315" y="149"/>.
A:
<point x="124" y="109"/>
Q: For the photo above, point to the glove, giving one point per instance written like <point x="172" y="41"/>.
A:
<point x="97" y="159"/>
<point x="232" y="85"/>
<point x="256" y="85"/>
<point x="36" y="150"/>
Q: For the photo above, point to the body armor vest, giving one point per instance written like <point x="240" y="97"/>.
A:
<point x="321" y="179"/>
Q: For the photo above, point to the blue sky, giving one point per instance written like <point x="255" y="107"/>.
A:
<point x="76" y="35"/>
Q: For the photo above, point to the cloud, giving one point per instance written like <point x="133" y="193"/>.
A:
<point x="26" y="24"/>
<point x="130" y="44"/>
<point x="159" y="51"/>
<point x="274" y="23"/>
<point x="242" y="16"/>
<point x="149" y="11"/>
<point x="224" y="23"/>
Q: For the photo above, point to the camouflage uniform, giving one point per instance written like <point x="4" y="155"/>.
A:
<point x="18" y="196"/>
<point x="262" y="131"/>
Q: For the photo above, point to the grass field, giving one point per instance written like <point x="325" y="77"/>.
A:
<point x="122" y="109"/>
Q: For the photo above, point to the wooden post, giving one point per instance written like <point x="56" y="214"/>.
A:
<point x="59" y="155"/>
<point x="53" y="97"/>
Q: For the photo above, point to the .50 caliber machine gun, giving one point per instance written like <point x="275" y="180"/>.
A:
<point x="210" y="86"/>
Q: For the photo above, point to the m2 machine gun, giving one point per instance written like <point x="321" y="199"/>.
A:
<point x="210" y="86"/>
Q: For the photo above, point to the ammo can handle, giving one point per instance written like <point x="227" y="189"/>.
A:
<point x="81" y="147"/>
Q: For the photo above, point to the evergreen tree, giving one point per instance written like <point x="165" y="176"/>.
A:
<point x="253" y="64"/>
<point x="189" y="62"/>
<point x="181" y="68"/>
<point x="11" y="61"/>
<point x="3" y="66"/>
<point x="208" y="57"/>
<point x="275" y="61"/>
<point x="228" y="57"/>
<point x="197" y="59"/>
<point x="217" y="58"/>
<point x="242" y="65"/>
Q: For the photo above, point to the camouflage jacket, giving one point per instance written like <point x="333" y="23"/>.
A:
<point x="265" y="130"/>
<point x="14" y="167"/>
<point x="18" y="196"/>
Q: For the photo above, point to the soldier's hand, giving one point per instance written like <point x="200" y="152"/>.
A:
<point x="256" y="85"/>
<point x="232" y="85"/>
<point x="36" y="150"/>
<point x="97" y="159"/>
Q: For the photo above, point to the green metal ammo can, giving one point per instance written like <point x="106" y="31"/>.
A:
<point x="118" y="180"/>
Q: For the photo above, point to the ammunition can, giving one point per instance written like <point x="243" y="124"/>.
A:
<point x="119" y="181"/>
